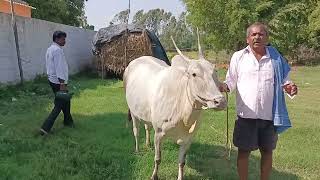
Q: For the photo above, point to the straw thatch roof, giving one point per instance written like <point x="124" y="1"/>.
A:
<point x="115" y="46"/>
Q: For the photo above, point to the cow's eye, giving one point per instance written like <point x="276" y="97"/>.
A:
<point x="194" y="74"/>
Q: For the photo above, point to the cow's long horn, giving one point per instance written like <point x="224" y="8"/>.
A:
<point x="178" y="50"/>
<point x="199" y="46"/>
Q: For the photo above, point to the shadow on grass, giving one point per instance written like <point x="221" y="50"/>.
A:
<point x="209" y="161"/>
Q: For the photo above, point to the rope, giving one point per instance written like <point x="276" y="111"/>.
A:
<point x="228" y="142"/>
<point x="228" y="146"/>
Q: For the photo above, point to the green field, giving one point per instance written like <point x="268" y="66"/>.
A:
<point x="102" y="147"/>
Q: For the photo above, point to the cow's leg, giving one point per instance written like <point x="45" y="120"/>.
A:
<point x="157" y="158"/>
<point x="135" y="128"/>
<point x="147" y="128"/>
<point x="182" y="158"/>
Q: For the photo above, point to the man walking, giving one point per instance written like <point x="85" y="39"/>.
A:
<point x="57" y="71"/>
<point x="259" y="74"/>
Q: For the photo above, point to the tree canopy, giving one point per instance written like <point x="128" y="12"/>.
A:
<point x="70" y="12"/>
<point x="163" y="24"/>
<point x="292" y="23"/>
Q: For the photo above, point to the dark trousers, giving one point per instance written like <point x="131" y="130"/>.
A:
<point x="59" y="104"/>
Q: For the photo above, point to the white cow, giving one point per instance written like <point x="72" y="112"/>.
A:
<point x="170" y="99"/>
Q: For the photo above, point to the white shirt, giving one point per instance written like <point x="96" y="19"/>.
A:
<point x="56" y="64"/>
<point x="253" y="81"/>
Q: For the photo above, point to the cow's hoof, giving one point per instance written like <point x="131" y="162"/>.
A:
<point x="154" y="177"/>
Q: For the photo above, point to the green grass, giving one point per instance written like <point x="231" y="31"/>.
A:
<point x="102" y="147"/>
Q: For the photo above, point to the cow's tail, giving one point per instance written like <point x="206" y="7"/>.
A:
<point x="124" y="78"/>
<point x="124" y="87"/>
<point x="129" y="119"/>
<point x="129" y="115"/>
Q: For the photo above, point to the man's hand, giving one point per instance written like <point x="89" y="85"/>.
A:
<point x="291" y="89"/>
<point x="63" y="87"/>
<point x="224" y="87"/>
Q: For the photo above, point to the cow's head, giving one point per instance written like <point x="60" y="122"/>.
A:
<point x="202" y="79"/>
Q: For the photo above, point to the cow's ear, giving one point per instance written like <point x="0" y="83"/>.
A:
<point x="179" y="61"/>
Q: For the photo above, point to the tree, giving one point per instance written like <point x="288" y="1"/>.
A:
<point x="180" y="31"/>
<point x="121" y="17"/>
<point x="154" y="20"/>
<point x="70" y="12"/>
<point x="165" y="25"/>
<point x="288" y="27"/>
<point x="139" y="18"/>
<point x="225" y="22"/>
<point x="314" y="27"/>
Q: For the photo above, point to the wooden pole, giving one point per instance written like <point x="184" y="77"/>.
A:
<point x="14" y="26"/>
<point x="128" y="12"/>
<point x="126" y="38"/>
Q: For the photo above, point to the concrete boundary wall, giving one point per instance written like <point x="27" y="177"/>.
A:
<point x="35" y="36"/>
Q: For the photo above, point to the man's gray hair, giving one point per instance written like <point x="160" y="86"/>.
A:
<point x="258" y="24"/>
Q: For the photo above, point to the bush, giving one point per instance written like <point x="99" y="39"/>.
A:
<point x="305" y="56"/>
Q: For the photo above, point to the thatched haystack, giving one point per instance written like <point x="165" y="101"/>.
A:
<point x="116" y="55"/>
<point x="116" y="46"/>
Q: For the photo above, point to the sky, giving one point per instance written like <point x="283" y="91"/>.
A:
<point x="100" y="12"/>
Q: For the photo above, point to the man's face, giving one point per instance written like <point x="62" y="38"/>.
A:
<point x="257" y="38"/>
<point x="61" y="41"/>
